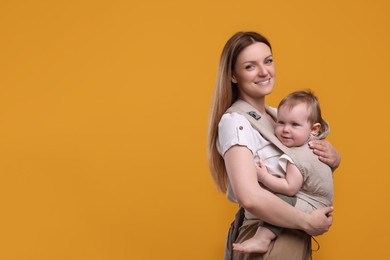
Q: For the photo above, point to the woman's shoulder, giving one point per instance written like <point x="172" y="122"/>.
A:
<point x="235" y="129"/>
<point x="232" y="124"/>
<point x="233" y="120"/>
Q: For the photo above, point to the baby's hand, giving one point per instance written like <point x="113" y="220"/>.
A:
<point x="261" y="170"/>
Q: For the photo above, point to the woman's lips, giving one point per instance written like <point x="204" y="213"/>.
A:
<point x="263" y="82"/>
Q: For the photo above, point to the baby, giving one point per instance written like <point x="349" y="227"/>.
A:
<point x="298" y="120"/>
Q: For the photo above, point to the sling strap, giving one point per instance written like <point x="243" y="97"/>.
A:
<point x="264" y="127"/>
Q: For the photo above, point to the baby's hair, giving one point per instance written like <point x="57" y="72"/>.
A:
<point x="312" y="103"/>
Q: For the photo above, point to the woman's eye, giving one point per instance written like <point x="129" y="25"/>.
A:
<point x="269" y="61"/>
<point x="248" y="67"/>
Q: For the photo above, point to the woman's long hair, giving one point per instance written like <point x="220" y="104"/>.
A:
<point x="225" y="94"/>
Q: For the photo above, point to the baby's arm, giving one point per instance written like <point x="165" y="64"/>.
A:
<point x="288" y="186"/>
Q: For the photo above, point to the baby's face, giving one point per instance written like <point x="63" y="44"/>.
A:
<point x="292" y="127"/>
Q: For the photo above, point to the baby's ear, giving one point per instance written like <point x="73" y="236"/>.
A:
<point x="315" y="129"/>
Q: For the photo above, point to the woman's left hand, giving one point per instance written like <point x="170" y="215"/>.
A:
<point x="320" y="221"/>
<point x="326" y="153"/>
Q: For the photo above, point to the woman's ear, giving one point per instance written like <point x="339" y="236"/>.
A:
<point x="315" y="129"/>
<point x="234" y="80"/>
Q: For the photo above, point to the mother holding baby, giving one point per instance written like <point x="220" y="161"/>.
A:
<point x="247" y="75"/>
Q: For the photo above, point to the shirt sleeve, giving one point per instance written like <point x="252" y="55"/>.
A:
<point x="284" y="158"/>
<point x="235" y="129"/>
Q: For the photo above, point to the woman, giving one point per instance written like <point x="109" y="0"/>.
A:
<point x="247" y="74"/>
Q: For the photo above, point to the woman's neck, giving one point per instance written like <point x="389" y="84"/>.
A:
<point x="259" y="103"/>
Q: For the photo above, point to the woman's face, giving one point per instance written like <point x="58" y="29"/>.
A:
<point x="254" y="71"/>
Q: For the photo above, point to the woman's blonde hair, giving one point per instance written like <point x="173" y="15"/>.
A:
<point x="225" y="94"/>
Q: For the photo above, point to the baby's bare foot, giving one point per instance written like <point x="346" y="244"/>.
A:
<point x="252" y="245"/>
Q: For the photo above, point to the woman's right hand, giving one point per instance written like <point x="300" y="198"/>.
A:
<point x="319" y="221"/>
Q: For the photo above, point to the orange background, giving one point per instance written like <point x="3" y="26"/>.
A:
<point x="104" y="111"/>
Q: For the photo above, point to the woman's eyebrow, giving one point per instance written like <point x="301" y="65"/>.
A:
<point x="255" y="61"/>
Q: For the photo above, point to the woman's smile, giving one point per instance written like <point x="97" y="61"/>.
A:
<point x="263" y="82"/>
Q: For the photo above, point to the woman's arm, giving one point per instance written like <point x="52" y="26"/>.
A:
<point x="265" y="205"/>
<point x="326" y="153"/>
<point x="289" y="185"/>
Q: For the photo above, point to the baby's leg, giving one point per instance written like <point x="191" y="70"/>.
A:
<point x="259" y="243"/>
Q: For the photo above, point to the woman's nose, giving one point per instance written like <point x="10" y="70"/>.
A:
<point x="262" y="71"/>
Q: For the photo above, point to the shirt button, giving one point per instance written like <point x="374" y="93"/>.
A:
<point x="241" y="127"/>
